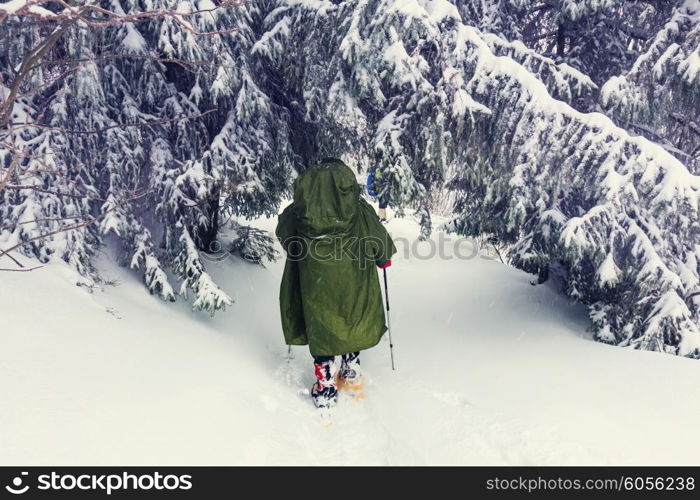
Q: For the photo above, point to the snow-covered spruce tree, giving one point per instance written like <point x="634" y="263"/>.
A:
<point x="253" y="142"/>
<point x="601" y="38"/>
<point x="236" y="164"/>
<point x="154" y="129"/>
<point x="608" y="39"/>
<point x="95" y="152"/>
<point x="660" y="94"/>
<point x="186" y="191"/>
<point x="53" y="187"/>
<point x="617" y="213"/>
<point x="244" y="168"/>
<point x="122" y="169"/>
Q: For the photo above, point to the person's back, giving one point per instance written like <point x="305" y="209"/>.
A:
<point x="330" y="296"/>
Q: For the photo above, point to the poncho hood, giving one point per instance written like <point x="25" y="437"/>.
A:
<point x="326" y="198"/>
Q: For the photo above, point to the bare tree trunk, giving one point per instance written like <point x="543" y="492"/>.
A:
<point x="207" y="235"/>
<point x="561" y="40"/>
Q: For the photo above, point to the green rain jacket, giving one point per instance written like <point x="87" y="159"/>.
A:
<point x="330" y="296"/>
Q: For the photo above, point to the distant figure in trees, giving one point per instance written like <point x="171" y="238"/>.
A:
<point x="330" y="297"/>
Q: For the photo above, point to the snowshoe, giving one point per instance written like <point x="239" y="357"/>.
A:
<point x="350" y="378"/>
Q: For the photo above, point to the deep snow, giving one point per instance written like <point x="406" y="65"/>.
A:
<point x="490" y="370"/>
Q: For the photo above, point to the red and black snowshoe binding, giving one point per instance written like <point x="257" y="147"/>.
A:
<point x="324" y="392"/>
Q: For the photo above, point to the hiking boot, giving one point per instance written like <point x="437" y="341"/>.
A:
<point x="324" y="392"/>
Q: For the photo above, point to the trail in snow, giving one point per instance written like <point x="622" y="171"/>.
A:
<point x="490" y="370"/>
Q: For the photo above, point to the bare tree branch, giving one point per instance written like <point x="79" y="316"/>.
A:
<point x="19" y="264"/>
<point x="111" y="127"/>
<point x="23" y="270"/>
<point x="30" y="59"/>
<point x="13" y="165"/>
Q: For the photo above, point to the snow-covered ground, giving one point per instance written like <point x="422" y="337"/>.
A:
<point x="490" y="370"/>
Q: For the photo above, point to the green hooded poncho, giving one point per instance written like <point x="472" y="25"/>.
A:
<point x="330" y="297"/>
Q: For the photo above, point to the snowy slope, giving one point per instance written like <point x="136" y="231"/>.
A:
<point x="490" y="371"/>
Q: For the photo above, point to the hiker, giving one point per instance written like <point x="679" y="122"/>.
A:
<point x="376" y="190"/>
<point x="330" y="296"/>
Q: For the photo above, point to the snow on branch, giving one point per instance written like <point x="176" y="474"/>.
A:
<point x="672" y="59"/>
<point x="625" y="203"/>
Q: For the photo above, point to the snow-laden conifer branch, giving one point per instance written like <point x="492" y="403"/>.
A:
<point x="79" y="129"/>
